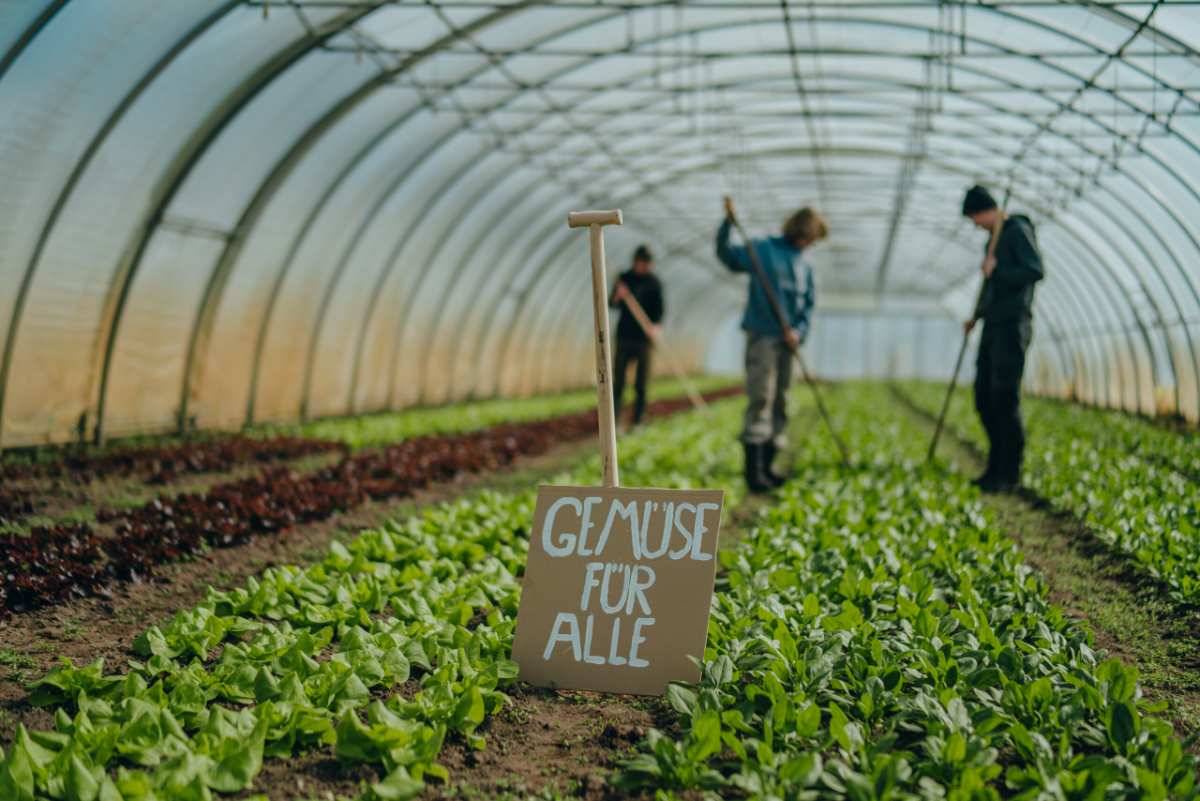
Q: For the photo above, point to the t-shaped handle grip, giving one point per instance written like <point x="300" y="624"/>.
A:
<point x="594" y="222"/>
<point x="579" y="219"/>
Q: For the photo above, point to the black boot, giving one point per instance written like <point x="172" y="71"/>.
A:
<point x="768" y="458"/>
<point x="988" y="477"/>
<point x="755" y="480"/>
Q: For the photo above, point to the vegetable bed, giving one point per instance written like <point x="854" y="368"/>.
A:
<point x="874" y="635"/>
<point x="1133" y="483"/>
<point x="68" y="560"/>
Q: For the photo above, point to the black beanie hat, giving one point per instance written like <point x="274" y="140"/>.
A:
<point x="643" y="254"/>
<point x="977" y="199"/>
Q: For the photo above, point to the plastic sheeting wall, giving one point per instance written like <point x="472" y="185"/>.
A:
<point x="214" y="215"/>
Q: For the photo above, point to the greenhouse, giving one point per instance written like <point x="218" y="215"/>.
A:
<point x="301" y="353"/>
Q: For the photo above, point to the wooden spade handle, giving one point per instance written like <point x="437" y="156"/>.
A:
<point x="595" y="220"/>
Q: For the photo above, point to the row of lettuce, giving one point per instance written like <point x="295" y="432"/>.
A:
<point x="391" y="643"/>
<point x="875" y="636"/>
<point x="1134" y="483"/>
<point x="881" y="638"/>
<point x="362" y="431"/>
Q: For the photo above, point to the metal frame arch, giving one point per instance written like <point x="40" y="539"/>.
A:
<point x="469" y="167"/>
<point x="506" y="276"/>
<point x="1020" y="87"/>
<point x="343" y="106"/>
<point x="1130" y="175"/>
<point x="30" y="33"/>
<point x="76" y="175"/>
<point x="1169" y="249"/>
<point x="700" y="167"/>
<point x="1097" y="325"/>
<point x="681" y="31"/>
<point x="1088" y="330"/>
<point x="1137" y="241"/>
<point x="1123" y="254"/>
<point x="476" y="244"/>
<point x="413" y="224"/>
<point x="874" y="22"/>
<point x="175" y="176"/>
<point x="283" y="168"/>
<point x="298" y="242"/>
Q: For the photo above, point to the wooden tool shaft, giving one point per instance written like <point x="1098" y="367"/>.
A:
<point x="604" y="395"/>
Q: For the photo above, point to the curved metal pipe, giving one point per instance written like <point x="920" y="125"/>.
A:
<point x="77" y="172"/>
<point x="173" y="180"/>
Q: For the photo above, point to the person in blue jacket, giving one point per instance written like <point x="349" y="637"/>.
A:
<point x="768" y="345"/>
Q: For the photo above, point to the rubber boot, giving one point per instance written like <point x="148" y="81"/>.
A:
<point x="768" y="458"/>
<point x="755" y="480"/>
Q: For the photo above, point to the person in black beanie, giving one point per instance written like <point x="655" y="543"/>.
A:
<point x="1006" y="309"/>
<point x="633" y="344"/>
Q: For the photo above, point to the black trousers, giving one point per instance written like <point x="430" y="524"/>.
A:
<point x="627" y="352"/>
<point x="998" y="374"/>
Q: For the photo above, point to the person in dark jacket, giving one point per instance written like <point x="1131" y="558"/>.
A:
<point x="1006" y="309"/>
<point x="634" y="345"/>
<point x="769" y="347"/>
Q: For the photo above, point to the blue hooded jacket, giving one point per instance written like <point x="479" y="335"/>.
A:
<point x="784" y="264"/>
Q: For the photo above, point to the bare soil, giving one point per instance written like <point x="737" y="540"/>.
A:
<point x="546" y="738"/>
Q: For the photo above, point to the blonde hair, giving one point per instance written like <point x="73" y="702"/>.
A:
<point x="805" y="226"/>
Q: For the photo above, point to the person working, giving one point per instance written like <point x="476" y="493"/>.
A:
<point x="1006" y="308"/>
<point x="634" y="345"/>
<point x="768" y="345"/>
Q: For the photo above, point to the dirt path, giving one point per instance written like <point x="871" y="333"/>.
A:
<point x="1129" y="615"/>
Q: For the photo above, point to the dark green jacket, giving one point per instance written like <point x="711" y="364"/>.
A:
<point x="1008" y="294"/>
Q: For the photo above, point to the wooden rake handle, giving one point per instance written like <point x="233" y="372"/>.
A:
<point x="644" y="321"/>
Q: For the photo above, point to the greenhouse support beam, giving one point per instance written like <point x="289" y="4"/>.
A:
<point x="27" y="36"/>
<point x="206" y="314"/>
<point x="676" y="34"/>
<point x="77" y="172"/>
<point x="168" y="186"/>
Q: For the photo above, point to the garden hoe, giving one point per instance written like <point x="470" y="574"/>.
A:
<point x="962" y="349"/>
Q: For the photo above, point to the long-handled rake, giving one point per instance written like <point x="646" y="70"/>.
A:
<point x="647" y="326"/>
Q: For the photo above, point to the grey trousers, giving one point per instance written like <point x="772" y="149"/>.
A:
<point x="768" y="376"/>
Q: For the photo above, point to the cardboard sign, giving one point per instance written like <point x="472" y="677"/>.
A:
<point x="617" y="588"/>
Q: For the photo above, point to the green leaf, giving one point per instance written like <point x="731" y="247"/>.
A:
<point x="681" y="699"/>
<point x="705" y="735"/>
<point x="1122" y="725"/>
<point x="804" y="770"/>
<point x="81" y="784"/>
<point x="237" y="770"/>
<point x="808" y="720"/>
<point x="955" y="750"/>
<point x="469" y="711"/>
<point x="398" y="785"/>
